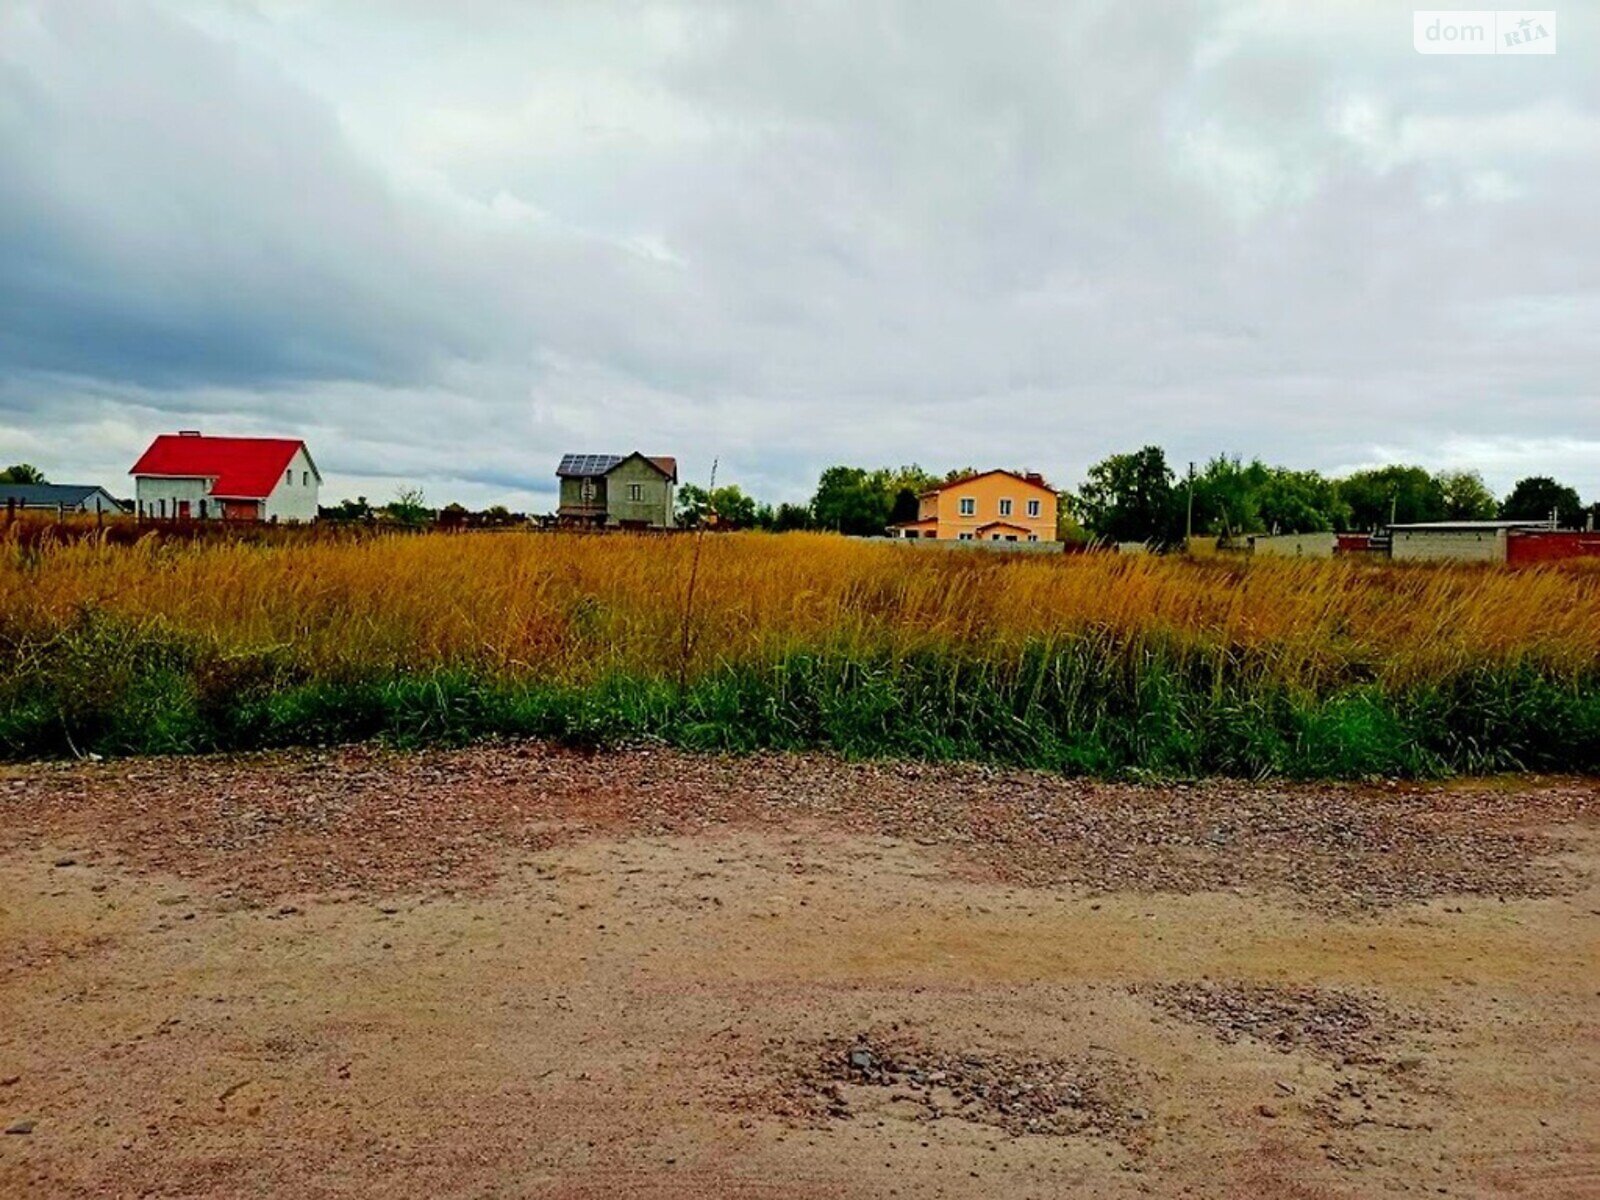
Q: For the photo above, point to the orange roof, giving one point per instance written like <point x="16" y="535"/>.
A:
<point x="1023" y="479"/>
<point x="918" y="521"/>
<point x="1003" y="525"/>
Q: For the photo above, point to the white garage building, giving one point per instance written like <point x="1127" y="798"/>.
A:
<point x="1455" y="541"/>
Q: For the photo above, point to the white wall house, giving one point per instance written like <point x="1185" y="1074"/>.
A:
<point x="189" y="476"/>
<point x="294" y="498"/>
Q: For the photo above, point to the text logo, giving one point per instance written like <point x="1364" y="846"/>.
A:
<point x="1484" y="31"/>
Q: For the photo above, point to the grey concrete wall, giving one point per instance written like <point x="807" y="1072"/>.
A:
<point x="973" y="544"/>
<point x="1294" y="545"/>
<point x="1435" y="545"/>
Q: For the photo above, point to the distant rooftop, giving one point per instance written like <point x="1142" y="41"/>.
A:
<point x="48" y="495"/>
<point x="1469" y="526"/>
<point x="588" y="466"/>
<point x="1029" y="477"/>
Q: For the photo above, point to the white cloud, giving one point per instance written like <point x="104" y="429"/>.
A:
<point x="450" y="251"/>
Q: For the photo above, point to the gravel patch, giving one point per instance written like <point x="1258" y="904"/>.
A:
<point x="1346" y="1028"/>
<point x="839" y="1078"/>
<point x="371" y="821"/>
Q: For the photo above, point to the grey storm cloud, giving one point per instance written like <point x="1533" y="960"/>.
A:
<point x="449" y="247"/>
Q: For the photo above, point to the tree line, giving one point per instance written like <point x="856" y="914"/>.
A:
<point x="1130" y="497"/>
<point x="862" y="501"/>
<point x="1138" y="497"/>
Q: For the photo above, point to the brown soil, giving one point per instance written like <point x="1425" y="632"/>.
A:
<point x="521" y="972"/>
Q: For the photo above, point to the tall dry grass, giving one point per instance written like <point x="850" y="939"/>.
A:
<point x="574" y="608"/>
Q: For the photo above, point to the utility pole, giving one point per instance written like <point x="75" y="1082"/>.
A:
<point x="1188" y="526"/>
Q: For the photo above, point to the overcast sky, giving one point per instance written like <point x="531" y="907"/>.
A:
<point x="446" y="242"/>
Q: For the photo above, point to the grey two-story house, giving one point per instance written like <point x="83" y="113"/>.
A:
<point x="618" y="491"/>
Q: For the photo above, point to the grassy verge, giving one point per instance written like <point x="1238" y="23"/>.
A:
<point x="1093" y="703"/>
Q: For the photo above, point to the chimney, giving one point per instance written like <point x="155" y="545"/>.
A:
<point x="1034" y="477"/>
<point x="188" y="433"/>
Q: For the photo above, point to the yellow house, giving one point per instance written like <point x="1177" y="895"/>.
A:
<point x="993" y="506"/>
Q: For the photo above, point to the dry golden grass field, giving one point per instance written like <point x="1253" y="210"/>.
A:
<point x="1094" y="663"/>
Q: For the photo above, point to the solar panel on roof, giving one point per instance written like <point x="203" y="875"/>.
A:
<point x="587" y="464"/>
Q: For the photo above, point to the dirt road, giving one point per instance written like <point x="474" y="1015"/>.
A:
<point x="522" y="972"/>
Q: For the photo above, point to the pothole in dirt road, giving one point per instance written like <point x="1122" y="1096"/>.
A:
<point x="1375" y="1051"/>
<point x="899" y="1073"/>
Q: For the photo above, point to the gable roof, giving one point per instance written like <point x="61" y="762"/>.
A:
<point x="1003" y="525"/>
<point x="592" y="466"/>
<point x="666" y="464"/>
<point x="51" y="494"/>
<point x="240" y="468"/>
<point x="1037" y="481"/>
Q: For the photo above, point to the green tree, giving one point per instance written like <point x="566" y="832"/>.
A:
<point x="913" y="478"/>
<point x="22" y="473"/>
<point x="790" y="517"/>
<point x="693" y="503"/>
<point x="733" y="508"/>
<point x="1068" y="529"/>
<point x="905" y="508"/>
<point x="1466" y="496"/>
<point x="1299" y="502"/>
<point x="409" y="507"/>
<point x="1129" y="498"/>
<point x="1535" y="498"/>
<point x="1410" y="494"/>
<point x="1225" y="496"/>
<point x="853" y="500"/>
<point x="347" y="510"/>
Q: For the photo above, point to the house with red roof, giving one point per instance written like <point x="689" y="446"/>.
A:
<point x="190" y="476"/>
